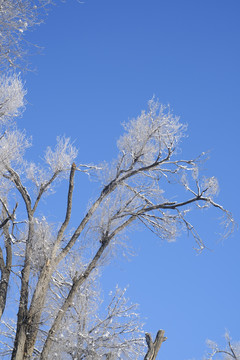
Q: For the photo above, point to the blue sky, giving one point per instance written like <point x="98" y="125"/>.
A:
<point x="102" y="61"/>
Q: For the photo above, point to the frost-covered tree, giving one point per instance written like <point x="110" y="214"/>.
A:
<point x="57" y="265"/>
<point x="53" y="269"/>
<point x="16" y="17"/>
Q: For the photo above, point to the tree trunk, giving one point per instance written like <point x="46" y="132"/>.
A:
<point x="154" y="347"/>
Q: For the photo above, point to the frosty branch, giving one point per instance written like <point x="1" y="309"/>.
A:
<point x="17" y="17"/>
<point x="231" y="350"/>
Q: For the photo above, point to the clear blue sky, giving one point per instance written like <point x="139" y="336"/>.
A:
<point x="102" y="61"/>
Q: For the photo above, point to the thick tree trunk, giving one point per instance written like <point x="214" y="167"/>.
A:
<point x="154" y="347"/>
<point x="22" y="317"/>
<point x="35" y="310"/>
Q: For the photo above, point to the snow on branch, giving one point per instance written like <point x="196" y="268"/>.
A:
<point x="89" y="333"/>
<point x="12" y="95"/>
<point x="150" y="136"/>
<point x="12" y="148"/>
<point x="147" y="175"/>
<point x="230" y="352"/>
<point x="17" y="17"/>
<point x="62" y="157"/>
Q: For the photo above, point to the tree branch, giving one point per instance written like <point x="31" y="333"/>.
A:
<point x="154" y="347"/>
<point x="15" y="178"/>
<point x="43" y="188"/>
<point x="69" y="208"/>
<point x="77" y="282"/>
<point x="38" y="299"/>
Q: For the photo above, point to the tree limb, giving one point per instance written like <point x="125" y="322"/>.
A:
<point x="154" y="347"/>
<point x="38" y="299"/>
<point x="77" y="282"/>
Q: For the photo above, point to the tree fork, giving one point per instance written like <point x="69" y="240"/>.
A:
<point x="38" y="300"/>
<point x="154" y="347"/>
